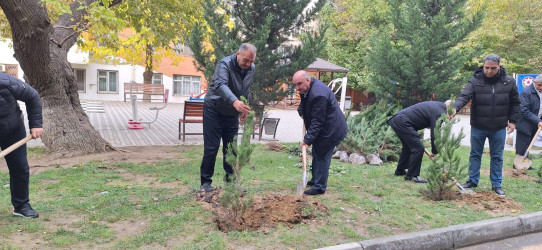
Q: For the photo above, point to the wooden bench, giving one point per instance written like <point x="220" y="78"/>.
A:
<point x="148" y="91"/>
<point x="193" y="113"/>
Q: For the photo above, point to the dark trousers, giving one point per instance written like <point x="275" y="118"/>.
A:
<point x="523" y="140"/>
<point x="413" y="149"/>
<point x="320" y="168"/>
<point x="17" y="162"/>
<point x="216" y="126"/>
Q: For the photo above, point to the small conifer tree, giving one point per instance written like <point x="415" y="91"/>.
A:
<point x="238" y="156"/>
<point x="446" y="166"/>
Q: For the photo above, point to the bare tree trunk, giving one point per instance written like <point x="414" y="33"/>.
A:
<point x="41" y="50"/>
<point x="147" y="75"/>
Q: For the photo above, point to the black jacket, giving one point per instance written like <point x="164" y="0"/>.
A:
<point x="424" y="115"/>
<point x="528" y="110"/>
<point x="11" y="116"/>
<point x="495" y="101"/>
<point x="228" y="86"/>
<point x="324" y="120"/>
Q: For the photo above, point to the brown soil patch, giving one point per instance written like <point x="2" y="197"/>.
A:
<point x="264" y="212"/>
<point x="490" y="202"/>
<point x="514" y="173"/>
<point x="139" y="154"/>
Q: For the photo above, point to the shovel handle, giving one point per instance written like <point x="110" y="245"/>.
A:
<point x="15" y="146"/>
<point x="532" y="142"/>
<point x="304" y="156"/>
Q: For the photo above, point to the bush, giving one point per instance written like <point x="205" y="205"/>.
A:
<point x="369" y="133"/>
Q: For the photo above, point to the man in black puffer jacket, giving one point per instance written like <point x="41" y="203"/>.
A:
<point x="325" y="124"/>
<point x="12" y="130"/>
<point x="495" y="107"/>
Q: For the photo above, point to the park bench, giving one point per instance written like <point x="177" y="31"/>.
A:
<point x="193" y="113"/>
<point x="144" y="91"/>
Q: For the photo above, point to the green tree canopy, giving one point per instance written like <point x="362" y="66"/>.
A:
<point x="511" y="29"/>
<point x="270" y="26"/>
<point x="418" y="59"/>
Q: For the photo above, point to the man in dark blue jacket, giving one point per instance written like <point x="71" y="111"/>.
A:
<point x="222" y="108"/>
<point x="494" y="112"/>
<point x="325" y="124"/>
<point x="529" y="119"/>
<point x="12" y="130"/>
<point x="406" y="124"/>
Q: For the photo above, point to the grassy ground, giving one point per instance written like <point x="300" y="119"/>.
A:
<point x="126" y="206"/>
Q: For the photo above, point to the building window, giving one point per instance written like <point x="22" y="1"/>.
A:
<point x="186" y="85"/>
<point x="80" y="79"/>
<point x="108" y="81"/>
<point x="157" y="78"/>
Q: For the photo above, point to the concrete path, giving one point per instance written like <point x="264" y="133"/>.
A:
<point x="112" y="123"/>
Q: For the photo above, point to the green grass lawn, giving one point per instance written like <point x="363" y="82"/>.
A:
<point x="152" y="206"/>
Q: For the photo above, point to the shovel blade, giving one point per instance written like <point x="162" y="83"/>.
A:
<point x="522" y="163"/>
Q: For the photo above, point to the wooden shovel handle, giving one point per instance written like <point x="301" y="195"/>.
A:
<point x="532" y="142"/>
<point x="15" y="146"/>
<point x="304" y="156"/>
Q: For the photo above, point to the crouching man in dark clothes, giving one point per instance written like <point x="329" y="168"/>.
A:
<point x="406" y="124"/>
<point x="325" y="123"/>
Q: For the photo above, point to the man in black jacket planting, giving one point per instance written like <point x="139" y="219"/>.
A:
<point x="12" y="130"/>
<point x="494" y="111"/>
<point x="325" y="124"/>
<point x="406" y="124"/>
<point x="222" y="109"/>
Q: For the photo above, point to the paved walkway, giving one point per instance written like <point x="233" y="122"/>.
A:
<point x="113" y="125"/>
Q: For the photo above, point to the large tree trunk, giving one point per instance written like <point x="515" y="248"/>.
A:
<point x="41" y="50"/>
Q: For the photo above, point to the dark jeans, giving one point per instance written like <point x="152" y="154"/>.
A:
<point x="320" y="168"/>
<point x="413" y="149"/>
<point x="523" y="141"/>
<point x="19" y="173"/>
<point x="496" y="148"/>
<point x="216" y="126"/>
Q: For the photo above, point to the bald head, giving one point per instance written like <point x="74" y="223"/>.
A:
<point x="302" y="81"/>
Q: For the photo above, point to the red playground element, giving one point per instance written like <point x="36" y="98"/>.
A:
<point x="134" y="125"/>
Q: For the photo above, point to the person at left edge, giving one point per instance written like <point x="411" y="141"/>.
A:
<point x="12" y="130"/>
<point x="222" y="109"/>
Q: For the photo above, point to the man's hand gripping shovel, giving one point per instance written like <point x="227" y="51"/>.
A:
<point x="301" y="186"/>
<point x="15" y="146"/>
<point x="462" y="190"/>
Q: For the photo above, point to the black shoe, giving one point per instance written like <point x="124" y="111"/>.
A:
<point x="469" y="184"/>
<point x="207" y="187"/>
<point x="310" y="183"/>
<point x="26" y="211"/>
<point x="400" y="172"/>
<point x="499" y="191"/>
<point x="415" y="179"/>
<point x="313" y="191"/>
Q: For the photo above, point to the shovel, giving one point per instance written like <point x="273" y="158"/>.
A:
<point x="15" y="146"/>
<point x="520" y="161"/>
<point x="462" y="190"/>
<point x="301" y="186"/>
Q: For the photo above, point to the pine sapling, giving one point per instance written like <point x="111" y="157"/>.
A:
<point x="238" y="156"/>
<point x="446" y="165"/>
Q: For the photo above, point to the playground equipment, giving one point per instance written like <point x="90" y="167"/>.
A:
<point x="135" y="123"/>
<point x="342" y="87"/>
